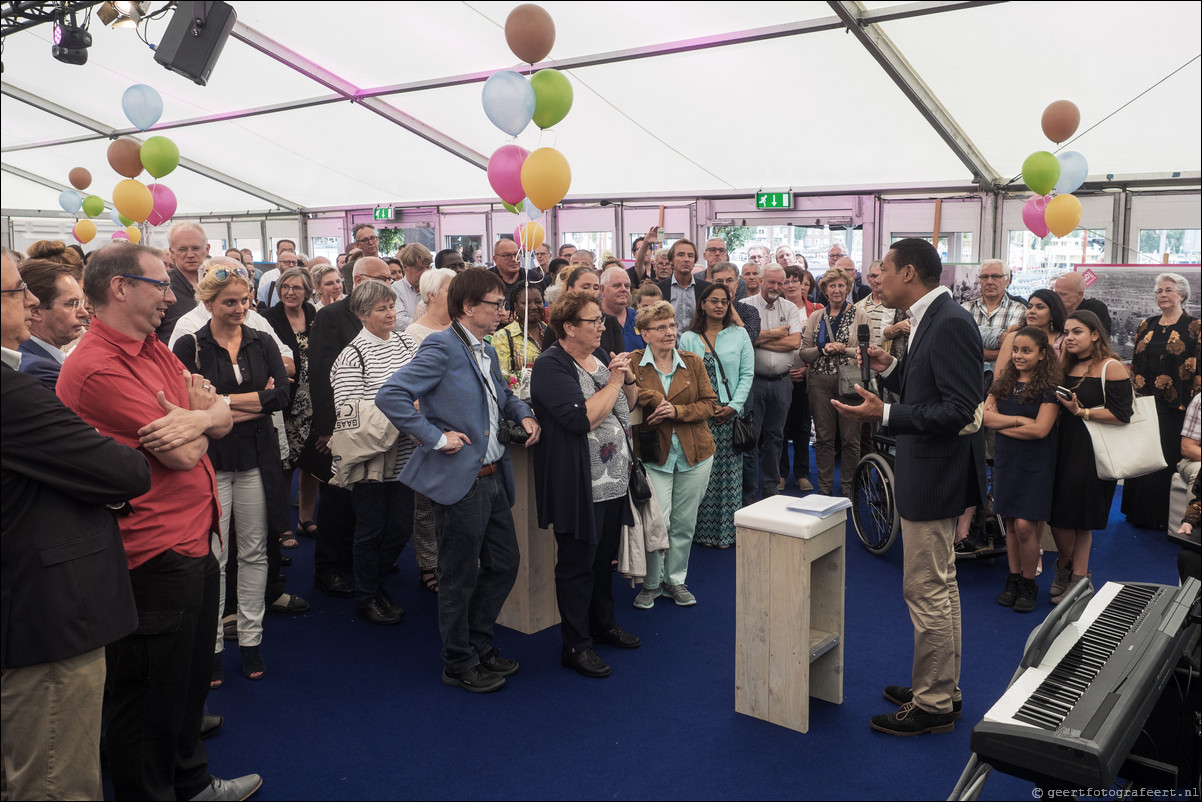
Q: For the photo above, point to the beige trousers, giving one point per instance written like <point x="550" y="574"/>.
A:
<point x="930" y="589"/>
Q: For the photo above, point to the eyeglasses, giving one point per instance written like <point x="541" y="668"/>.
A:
<point x="1165" y="290"/>
<point x="22" y="287"/>
<point x="362" y="240"/>
<point x="992" y="277"/>
<point x="714" y="299"/>
<point x="792" y="281"/>
<point x="495" y="304"/>
<point x="74" y="304"/>
<point x="715" y="250"/>
<point x="284" y="288"/>
<point x="595" y="322"/>
<point x="223" y="273"/>
<point x="287" y="262"/>
<point x="162" y="286"/>
<point x="661" y="329"/>
<point x="513" y="255"/>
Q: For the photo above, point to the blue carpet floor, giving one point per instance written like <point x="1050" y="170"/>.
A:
<point x="354" y="711"/>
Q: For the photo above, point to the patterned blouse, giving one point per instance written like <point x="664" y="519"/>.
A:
<point x="1165" y="363"/>
<point x="609" y="455"/>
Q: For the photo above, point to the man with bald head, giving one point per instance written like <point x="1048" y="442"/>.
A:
<point x="333" y="328"/>
<point x="858" y="290"/>
<point x="1071" y="289"/>
<point x="715" y="253"/>
<point x="615" y="303"/>
<point x="508" y="267"/>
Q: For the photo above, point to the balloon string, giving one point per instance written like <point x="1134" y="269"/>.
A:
<point x="1116" y="111"/>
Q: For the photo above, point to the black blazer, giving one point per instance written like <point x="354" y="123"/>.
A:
<point x="333" y="327"/>
<point x="939" y="472"/>
<point x="699" y="285"/>
<point x="66" y="584"/>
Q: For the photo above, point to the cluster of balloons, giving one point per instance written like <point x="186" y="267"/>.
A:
<point x="1044" y="173"/>
<point x="528" y="183"/>
<point x="133" y="201"/>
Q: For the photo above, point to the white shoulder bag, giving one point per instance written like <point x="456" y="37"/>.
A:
<point x="1126" y="451"/>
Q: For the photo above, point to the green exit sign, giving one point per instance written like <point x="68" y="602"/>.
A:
<point x="382" y="214"/>
<point x="774" y="200"/>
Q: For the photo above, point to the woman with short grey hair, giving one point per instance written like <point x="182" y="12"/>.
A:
<point x="1165" y="365"/>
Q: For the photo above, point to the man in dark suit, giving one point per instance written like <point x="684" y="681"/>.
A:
<point x="684" y="289"/>
<point x="333" y="328"/>
<point x="66" y="587"/>
<point x="940" y="470"/>
<point x="58" y="318"/>
<point x="466" y="470"/>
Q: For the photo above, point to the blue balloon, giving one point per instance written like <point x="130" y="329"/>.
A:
<point x="70" y="201"/>
<point x="115" y="216"/>
<point x="532" y="211"/>
<point x="142" y="106"/>
<point x="508" y="101"/>
<point x="1073" y="170"/>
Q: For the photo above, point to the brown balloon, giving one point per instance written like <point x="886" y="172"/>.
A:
<point x="80" y="178"/>
<point x="1060" y="120"/>
<point x="530" y="32"/>
<point x="125" y="157"/>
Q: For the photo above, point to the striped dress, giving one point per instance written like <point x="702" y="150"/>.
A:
<point x="363" y="367"/>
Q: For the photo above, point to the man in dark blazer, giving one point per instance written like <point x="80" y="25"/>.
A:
<point x="66" y="586"/>
<point x="465" y="469"/>
<point x="58" y="318"/>
<point x="333" y="328"/>
<point x="940" y="471"/>
<point x="683" y="255"/>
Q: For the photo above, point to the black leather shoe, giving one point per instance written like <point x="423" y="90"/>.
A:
<point x="334" y="585"/>
<point x="388" y="604"/>
<point x="910" y="719"/>
<point x="375" y="612"/>
<point x="476" y="679"/>
<point x="209" y="725"/>
<point x="285" y="561"/>
<point x="501" y="666"/>
<point x="618" y="637"/>
<point x="586" y="662"/>
<point x="903" y="695"/>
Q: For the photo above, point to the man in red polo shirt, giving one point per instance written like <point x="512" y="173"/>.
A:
<point x="125" y="382"/>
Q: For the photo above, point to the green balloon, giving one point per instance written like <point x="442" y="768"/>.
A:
<point x="93" y="205"/>
<point x="552" y="97"/>
<point x="125" y="221"/>
<point x="159" y="156"/>
<point x="516" y="208"/>
<point x="1041" y="171"/>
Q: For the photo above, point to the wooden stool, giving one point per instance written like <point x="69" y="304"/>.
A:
<point x="788" y="611"/>
<point x="531" y="604"/>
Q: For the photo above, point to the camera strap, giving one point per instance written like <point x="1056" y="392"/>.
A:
<point x="471" y="352"/>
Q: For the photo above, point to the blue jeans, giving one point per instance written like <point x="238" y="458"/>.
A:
<point x="477" y="565"/>
<point x="383" y="524"/>
<point x="770" y="400"/>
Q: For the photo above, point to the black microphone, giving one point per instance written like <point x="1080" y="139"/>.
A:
<point x="863" y="333"/>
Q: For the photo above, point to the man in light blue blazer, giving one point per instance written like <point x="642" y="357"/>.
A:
<point x="465" y="469"/>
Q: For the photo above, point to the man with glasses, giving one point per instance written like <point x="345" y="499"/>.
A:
<point x="508" y="268"/>
<point x="542" y="255"/>
<point x="995" y="311"/>
<point x="57" y="320"/>
<point x="465" y="469"/>
<point x="615" y="303"/>
<point x="366" y="239"/>
<point x="189" y="247"/>
<point x="726" y="274"/>
<point x="333" y="328"/>
<point x="122" y="380"/>
<point x="771" y="390"/>
<point x="715" y="252"/>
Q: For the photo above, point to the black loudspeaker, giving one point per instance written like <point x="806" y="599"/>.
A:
<point x="195" y="37"/>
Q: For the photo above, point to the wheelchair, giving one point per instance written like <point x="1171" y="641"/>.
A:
<point x="876" y="518"/>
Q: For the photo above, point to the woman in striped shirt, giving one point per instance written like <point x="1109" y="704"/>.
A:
<point x="383" y="508"/>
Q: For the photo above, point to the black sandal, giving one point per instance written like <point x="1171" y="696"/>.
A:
<point x="252" y="664"/>
<point x="307" y="528"/>
<point x="429" y="581"/>
<point x="289" y="541"/>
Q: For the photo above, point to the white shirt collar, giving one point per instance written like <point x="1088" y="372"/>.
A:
<point x="13" y="358"/>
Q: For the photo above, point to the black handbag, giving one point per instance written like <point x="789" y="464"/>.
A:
<point x="743" y="436"/>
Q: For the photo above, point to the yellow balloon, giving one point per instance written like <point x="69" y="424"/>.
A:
<point x="531" y="235"/>
<point x="133" y="200"/>
<point x="84" y="231"/>
<point x="134" y="233"/>
<point x="546" y="177"/>
<point x="1062" y="215"/>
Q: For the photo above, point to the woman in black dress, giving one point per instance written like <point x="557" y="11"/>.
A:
<point x="1165" y="365"/>
<point x="1022" y="409"/>
<point x="1080" y="500"/>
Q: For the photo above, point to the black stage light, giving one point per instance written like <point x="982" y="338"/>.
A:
<point x="71" y="42"/>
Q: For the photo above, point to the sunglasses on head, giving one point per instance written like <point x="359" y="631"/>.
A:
<point x="223" y="273"/>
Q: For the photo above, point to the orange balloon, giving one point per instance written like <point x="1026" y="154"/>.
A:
<point x="133" y="200"/>
<point x="84" y="231"/>
<point x="125" y="157"/>
<point x="1060" y="120"/>
<point x="134" y="233"/>
<point x="531" y="235"/>
<point x="80" y="178"/>
<point x="546" y="178"/>
<point x="530" y="32"/>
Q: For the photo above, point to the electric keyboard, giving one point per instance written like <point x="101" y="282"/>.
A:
<point x="1071" y="716"/>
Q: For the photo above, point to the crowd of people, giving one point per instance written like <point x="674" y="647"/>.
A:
<point x="389" y="392"/>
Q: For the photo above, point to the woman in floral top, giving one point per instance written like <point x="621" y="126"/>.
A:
<point x="1165" y="365"/>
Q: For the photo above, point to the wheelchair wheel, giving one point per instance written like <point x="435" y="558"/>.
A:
<point x="874" y="507"/>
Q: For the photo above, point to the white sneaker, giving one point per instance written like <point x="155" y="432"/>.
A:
<point x="647" y="596"/>
<point x="238" y="788"/>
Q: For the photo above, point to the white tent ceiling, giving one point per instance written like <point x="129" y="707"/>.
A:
<point x="706" y="98"/>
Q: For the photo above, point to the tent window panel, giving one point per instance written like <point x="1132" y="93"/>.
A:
<point x="1025" y="251"/>
<point x="1173" y="246"/>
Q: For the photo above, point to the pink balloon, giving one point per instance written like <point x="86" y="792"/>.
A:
<point x="165" y="204"/>
<point x="121" y="235"/>
<point x="505" y="173"/>
<point x="1033" y="211"/>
